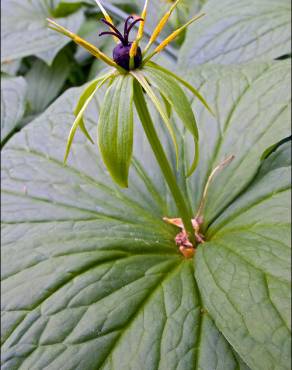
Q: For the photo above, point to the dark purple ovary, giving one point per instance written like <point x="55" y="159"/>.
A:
<point x="121" y="56"/>
<point x="121" y="53"/>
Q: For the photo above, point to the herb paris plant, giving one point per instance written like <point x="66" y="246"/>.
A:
<point x="90" y="275"/>
<point x="132" y="72"/>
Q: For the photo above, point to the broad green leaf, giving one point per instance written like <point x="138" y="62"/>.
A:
<point x="24" y="30"/>
<point x="273" y="147"/>
<point x="11" y="67"/>
<point x="176" y="97"/>
<point x="62" y="8"/>
<point x="237" y="32"/>
<point x="46" y="82"/>
<point x="97" y="282"/>
<point x="13" y="102"/>
<point x="115" y="128"/>
<point x="247" y="121"/>
<point x="244" y="271"/>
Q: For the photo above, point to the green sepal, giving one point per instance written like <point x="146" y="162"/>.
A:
<point x="183" y="82"/>
<point x="176" y="97"/>
<point x="115" y="128"/>
<point x="83" y="97"/>
<point x="140" y="77"/>
<point x="82" y="104"/>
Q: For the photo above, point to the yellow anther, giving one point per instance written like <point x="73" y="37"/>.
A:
<point x="86" y="45"/>
<point x="161" y="25"/>
<point x="133" y="50"/>
<point x="104" y="12"/>
<point x="132" y="54"/>
<point x="141" y="26"/>
<point x="171" y="37"/>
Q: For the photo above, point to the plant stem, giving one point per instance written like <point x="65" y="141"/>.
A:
<point x="147" y="123"/>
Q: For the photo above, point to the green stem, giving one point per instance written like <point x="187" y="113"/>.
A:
<point x="143" y="112"/>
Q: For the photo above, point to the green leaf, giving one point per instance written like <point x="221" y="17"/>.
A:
<point x="115" y="128"/>
<point x="252" y="118"/>
<point x="46" y="82"/>
<point x="11" y="67"/>
<point x="143" y="82"/>
<point x="174" y="94"/>
<point x="244" y="271"/>
<point x="13" y="102"/>
<point x="25" y="30"/>
<point x="62" y="8"/>
<point x="238" y="32"/>
<point x="273" y="147"/>
<point x="98" y="281"/>
<point x="92" y="276"/>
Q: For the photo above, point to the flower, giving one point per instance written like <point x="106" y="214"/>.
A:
<point x="121" y="53"/>
<point x="130" y="69"/>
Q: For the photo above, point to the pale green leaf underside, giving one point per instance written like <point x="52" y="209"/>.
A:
<point x="11" y="67"/>
<point x="247" y="121"/>
<point x="98" y="273"/>
<point x="45" y="82"/>
<point x="238" y="32"/>
<point x="13" y="102"/>
<point x="24" y="30"/>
